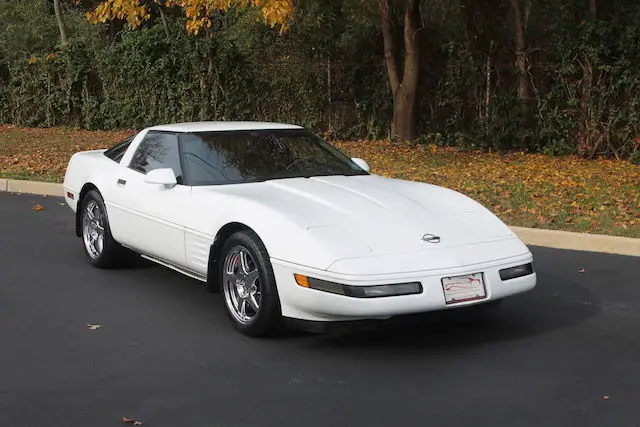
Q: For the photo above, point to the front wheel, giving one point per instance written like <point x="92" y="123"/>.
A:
<point x="249" y="286"/>
<point x="99" y="246"/>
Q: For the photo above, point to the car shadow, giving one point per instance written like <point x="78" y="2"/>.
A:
<point x="555" y="303"/>
<point x="136" y="262"/>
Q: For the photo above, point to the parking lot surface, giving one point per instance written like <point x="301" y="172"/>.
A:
<point x="565" y="354"/>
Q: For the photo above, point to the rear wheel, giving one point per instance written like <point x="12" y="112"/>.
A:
<point x="248" y="285"/>
<point x="99" y="246"/>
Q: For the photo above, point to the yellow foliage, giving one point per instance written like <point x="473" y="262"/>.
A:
<point x="276" y="13"/>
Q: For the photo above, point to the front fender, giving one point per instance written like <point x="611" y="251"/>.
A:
<point x="285" y="239"/>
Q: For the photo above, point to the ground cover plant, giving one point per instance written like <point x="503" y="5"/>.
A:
<point x="525" y="189"/>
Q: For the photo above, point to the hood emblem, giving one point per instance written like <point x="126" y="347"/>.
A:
<point x="431" y="238"/>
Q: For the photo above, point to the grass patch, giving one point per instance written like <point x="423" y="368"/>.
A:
<point x="530" y="190"/>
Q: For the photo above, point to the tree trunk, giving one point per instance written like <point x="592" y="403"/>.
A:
<point x="59" y="19"/>
<point x="404" y="121"/>
<point x="389" y="48"/>
<point x="487" y="93"/>
<point x="404" y="89"/>
<point x="329" y="98"/>
<point x="593" y="9"/>
<point x="163" y="18"/>
<point x="521" y="54"/>
<point x="206" y="111"/>
<point x="586" y="145"/>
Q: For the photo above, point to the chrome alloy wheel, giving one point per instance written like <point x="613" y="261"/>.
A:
<point x="241" y="284"/>
<point x="93" y="222"/>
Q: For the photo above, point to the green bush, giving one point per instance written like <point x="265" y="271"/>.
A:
<point x="328" y="73"/>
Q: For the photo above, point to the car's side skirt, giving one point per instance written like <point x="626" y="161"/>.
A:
<point x="176" y="268"/>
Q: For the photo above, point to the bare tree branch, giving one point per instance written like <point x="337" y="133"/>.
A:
<point x="163" y="18"/>
<point x="60" y="21"/>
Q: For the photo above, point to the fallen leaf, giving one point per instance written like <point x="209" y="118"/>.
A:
<point x="94" y="327"/>
<point x="37" y="207"/>
<point x="582" y="270"/>
<point x="131" y="421"/>
<point x="62" y="204"/>
<point x="567" y="191"/>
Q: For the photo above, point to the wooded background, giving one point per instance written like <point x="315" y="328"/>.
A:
<point x="553" y="76"/>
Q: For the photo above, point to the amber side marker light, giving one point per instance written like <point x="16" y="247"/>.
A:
<point x="375" y="291"/>
<point x="302" y="280"/>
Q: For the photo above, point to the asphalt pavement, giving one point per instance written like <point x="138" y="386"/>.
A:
<point x="565" y="354"/>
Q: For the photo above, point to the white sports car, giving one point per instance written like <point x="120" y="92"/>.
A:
<point x="289" y="228"/>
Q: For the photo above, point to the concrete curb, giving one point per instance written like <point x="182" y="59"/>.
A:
<point x="32" y="187"/>
<point x="578" y="241"/>
<point x="530" y="236"/>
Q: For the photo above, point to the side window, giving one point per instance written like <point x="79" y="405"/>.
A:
<point x="156" y="151"/>
<point x="116" y="152"/>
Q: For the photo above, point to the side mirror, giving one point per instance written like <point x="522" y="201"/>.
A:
<point x="163" y="176"/>
<point x="364" y="165"/>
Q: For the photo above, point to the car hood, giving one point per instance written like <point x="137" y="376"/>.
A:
<point x="370" y="215"/>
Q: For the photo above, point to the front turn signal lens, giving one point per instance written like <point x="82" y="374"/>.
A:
<point x="396" y="289"/>
<point x="302" y="280"/>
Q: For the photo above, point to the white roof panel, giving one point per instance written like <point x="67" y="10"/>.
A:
<point x="221" y="126"/>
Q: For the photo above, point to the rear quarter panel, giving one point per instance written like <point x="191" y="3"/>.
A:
<point x="93" y="167"/>
<point x="89" y="167"/>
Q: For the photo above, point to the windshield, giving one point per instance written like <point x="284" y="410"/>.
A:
<point x="214" y="158"/>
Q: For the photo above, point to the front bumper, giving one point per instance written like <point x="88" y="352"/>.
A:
<point x="313" y="305"/>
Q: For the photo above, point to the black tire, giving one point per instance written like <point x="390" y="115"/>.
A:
<point x="112" y="254"/>
<point x="267" y="320"/>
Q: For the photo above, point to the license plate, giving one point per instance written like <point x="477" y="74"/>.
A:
<point x="469" y="287"/>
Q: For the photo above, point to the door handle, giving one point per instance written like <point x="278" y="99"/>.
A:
<point x="121" y="182"/>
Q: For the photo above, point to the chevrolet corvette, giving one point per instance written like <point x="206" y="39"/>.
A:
<point x="288" y="228"/>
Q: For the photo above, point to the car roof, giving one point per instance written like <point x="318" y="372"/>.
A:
<point x="221" y="126"/>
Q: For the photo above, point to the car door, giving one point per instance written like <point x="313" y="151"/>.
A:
<point x="152" y="215"/>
